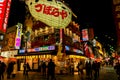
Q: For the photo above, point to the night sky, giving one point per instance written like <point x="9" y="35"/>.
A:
<point x="91" y="13"/>
<point x="98" y="15"/>
<point x="17" y="13"/>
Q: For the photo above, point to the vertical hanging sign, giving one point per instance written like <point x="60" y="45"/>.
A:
<point x="4" y="13"/>
<point x="18" y="36"/>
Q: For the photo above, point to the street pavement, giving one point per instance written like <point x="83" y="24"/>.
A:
<point x="106" y="73"/>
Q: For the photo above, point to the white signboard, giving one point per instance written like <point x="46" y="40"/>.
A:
<point x="9" y="54"/>
<point x="53" y="13"/>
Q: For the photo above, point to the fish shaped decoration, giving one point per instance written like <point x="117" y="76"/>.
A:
<point x="53" y="13"/>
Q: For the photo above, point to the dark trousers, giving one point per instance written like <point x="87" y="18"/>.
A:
<point x="25" y="72"/>
<point x="8" y="76"/>
<point x="51" y="76"/>
<point x="13" y="75"/>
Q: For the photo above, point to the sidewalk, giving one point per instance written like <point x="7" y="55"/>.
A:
<point x="106" y="73"/>
<point x="38" y="76"/>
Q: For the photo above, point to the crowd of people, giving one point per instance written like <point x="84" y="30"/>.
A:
<point x="2" y="70"/>
<point x="48" y="70"/>
<point x="10" y="69"/>
<point x="90" y="67"/>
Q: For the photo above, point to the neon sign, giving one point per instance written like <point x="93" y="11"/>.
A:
<point x="53" y="13"/>
<point x="18" y="36"/>
<point x="85" y="35"/>
<point x="44" y="48"/>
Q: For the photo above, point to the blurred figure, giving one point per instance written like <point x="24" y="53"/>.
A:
<point x="0" y="70"/>
<point x="80" y="67"/>
<point x="51" y="70"/>
<point x="9" y="69"/>
<point x="26" y="69"/>
<point x="117" y="68"/>
<point x="39" y="67"/>
<point x="72" y="67"/>
<point x="44" y="69"/>
<point x="88" y="68"/>
<point x="3" y="68"/>
<point x="96" y="68"/>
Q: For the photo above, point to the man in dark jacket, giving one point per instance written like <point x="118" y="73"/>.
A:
<point x="51" y="70"/>
<point x="9" y="69"/>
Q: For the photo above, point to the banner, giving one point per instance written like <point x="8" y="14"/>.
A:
<point x="4" y="14"/>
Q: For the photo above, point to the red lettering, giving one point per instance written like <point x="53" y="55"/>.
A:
<point x="47" y="9"/>
<point x="55" y="12"/>
<point x="38" y="7"/>
<point x="63" y="14"/>
<point x="50" y="10"/>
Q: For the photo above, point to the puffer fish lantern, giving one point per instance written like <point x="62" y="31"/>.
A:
<point x="53" y="13"/>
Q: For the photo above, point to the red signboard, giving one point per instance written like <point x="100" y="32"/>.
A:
<point x="4" y="12"/>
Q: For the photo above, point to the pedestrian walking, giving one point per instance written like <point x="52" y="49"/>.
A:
<point x="26" y="69"/>
<point x="9" y="69"/>
<point x="72" y="67"/>
<point x="88" y="68"/>
<point x="80" y="68"/>
<point x="95" y="68"/>
<point x="44" y="68"/>
<point x="51" y="70"/>
<point x="0" y="70"/>
<point x="3" y="68"/>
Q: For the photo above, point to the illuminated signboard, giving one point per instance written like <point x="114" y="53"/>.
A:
<point x="4" y="13"/>
<point x="9" y="54"/>
<point x="31" y="50"/>
<point x="85" y="34"/>
<point x="22" y="51"/>
<point x="44" y="48"/>
<point x="18" y="36"/>
<point x="37" y="49"/>
<point x="51" y="47"/>
<point x="53" y="13"/>
<point x="67" y="48"/>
